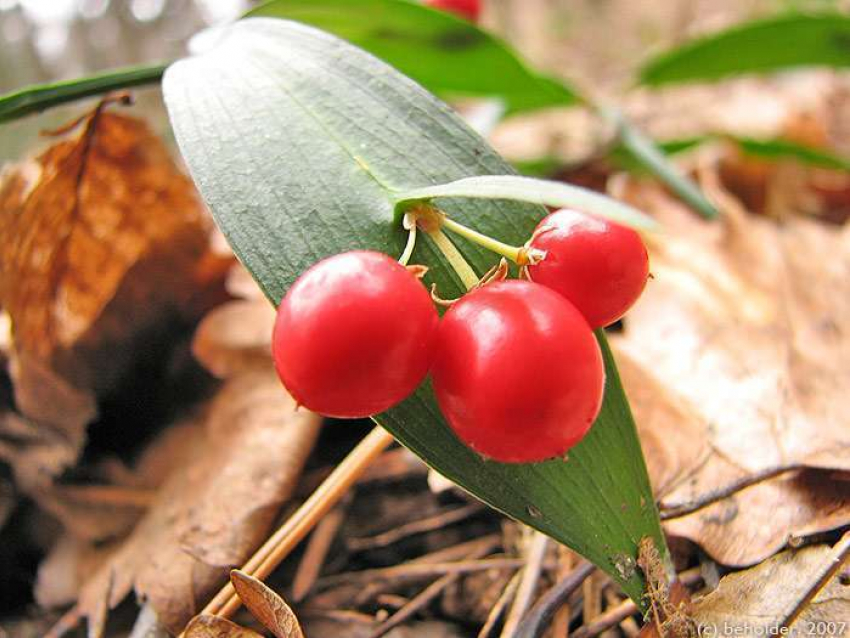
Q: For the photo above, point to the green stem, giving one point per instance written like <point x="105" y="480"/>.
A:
<point x="452" y="254"/>
<point x="500" y="248"/>
<point x="645" y="151"/>
<point x="34" y="99"/>
<point x="409" y="246"/>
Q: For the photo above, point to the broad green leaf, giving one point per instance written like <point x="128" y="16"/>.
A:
<point x="533" y="191"/>
<point x="762" y="46"/>
<point x="301" y="144"/>
<point x="34" y="99"/>
<point x="449" y="56"/>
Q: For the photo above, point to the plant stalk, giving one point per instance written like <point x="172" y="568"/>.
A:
<point x="500" y="248"/>
<point x="456" y="260"/>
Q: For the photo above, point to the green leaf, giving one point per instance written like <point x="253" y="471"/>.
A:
<point x="301" y="144"/>
<point x="767" y="149"/>
<point x="449" y="56"/>
<point x="779" y="149"/>
<point x="533" y="191"/>
<point x="34" y="99"/>
<point x="762" y="46"/>
<point x="647" y="154"/>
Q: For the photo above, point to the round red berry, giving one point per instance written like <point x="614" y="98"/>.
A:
<point x="469" y="9"/>
<point x="517" y="372"/>
<point x="354" y="335"/>
<point x="600" y="266"/>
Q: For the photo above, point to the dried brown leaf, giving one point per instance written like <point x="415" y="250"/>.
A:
<point x="101" y="241"/>
<point x="207" y="626"/>
<point x="214" y="510"/>
<point x="234" y="337"/>
<point x="266" y="606"/>
<point x="735" y="362"/>
<point x="76" y="219"/>
<point x="797" y="589"/>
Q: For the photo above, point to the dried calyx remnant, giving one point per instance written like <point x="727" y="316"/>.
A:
<point x="666" y="602"/>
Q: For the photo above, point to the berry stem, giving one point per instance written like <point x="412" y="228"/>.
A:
<point x="514" y="253"/>
<point x="409" y="225"/>
<point x="452" y="254"/>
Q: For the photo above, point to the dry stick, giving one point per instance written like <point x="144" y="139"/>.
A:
<point x="528" y="584"/>
<point x="316" y="552"/>
<point x="501" y="604"/>
<point x="562" y="618"/>
<point x="278" y="546"/>
<point x="591" y="590"/>
<point x="413" y="571"/>
<point x="421" y="600"/>
<point x="628" y="608"/>
<point x="840" y="554"/>
<point x="606" y="620"/>
<point x="537" y="619"/>
<point x="439" y="521"/>
<point x="689" y="507"/>
<point x="627" y="625"/>
<point x="416" y="603"/>
<point x="479" y="547"/>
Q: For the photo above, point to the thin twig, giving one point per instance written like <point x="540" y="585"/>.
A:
<point x="477" y="547"/>
<point x="606" y="620"/>
<point x="278" y="546"/>
<point x="528" y="584"/>
<point x="421" y="599"/>
<point x="416" y="603"/>
<point x="501" y="604"/>
<point x="677" y="510"/>
<point x="563" y="616"/>
<point x="627" y="625"/>
<point x="839" y="555"/>
<point x="409" y="571"/>
<point x="316" y="552"/>
<point x="537" y="619"/>
<point x="628" y="608"/>
<point x="438" y="521"/>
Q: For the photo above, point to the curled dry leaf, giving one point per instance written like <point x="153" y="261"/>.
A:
<point x="207" y="626"/>
<point x="76" y="219"/>
<point x="101" y="237"/>
<point x="234" y="337"/>
<point x="798" y="590"/>
<point x="266" y="606"/>
<point x="735" y="362"/>
<point x="215" y="509"/>
<point x="41" y="445"/>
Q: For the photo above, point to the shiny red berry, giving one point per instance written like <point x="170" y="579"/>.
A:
<point x="469" y="9"/>
<point x="518" y="373"/>
<point x="600" y="266"/>
<point x="354" y="335"/>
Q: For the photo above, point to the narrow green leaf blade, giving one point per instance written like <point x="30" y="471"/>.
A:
<point x="533" y="191"/>
<point x="762" y="46"/>
<point x="646" y="153"/>
<point x="449" y="56"/>
<point x="301" y="143"/>
<point x="773" y="149"/>
<point x="34" y="99"/>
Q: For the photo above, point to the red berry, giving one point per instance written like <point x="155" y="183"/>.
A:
<point x="354" y="335"/>
<point x="517" y="373"/>
<point x="469" y="9"/>
<point x="600" y="266"/>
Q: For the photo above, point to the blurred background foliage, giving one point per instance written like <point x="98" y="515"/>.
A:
<point x="43" y="40"/>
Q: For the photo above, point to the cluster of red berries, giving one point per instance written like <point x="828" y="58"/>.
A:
<point x="516" y="369"/>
